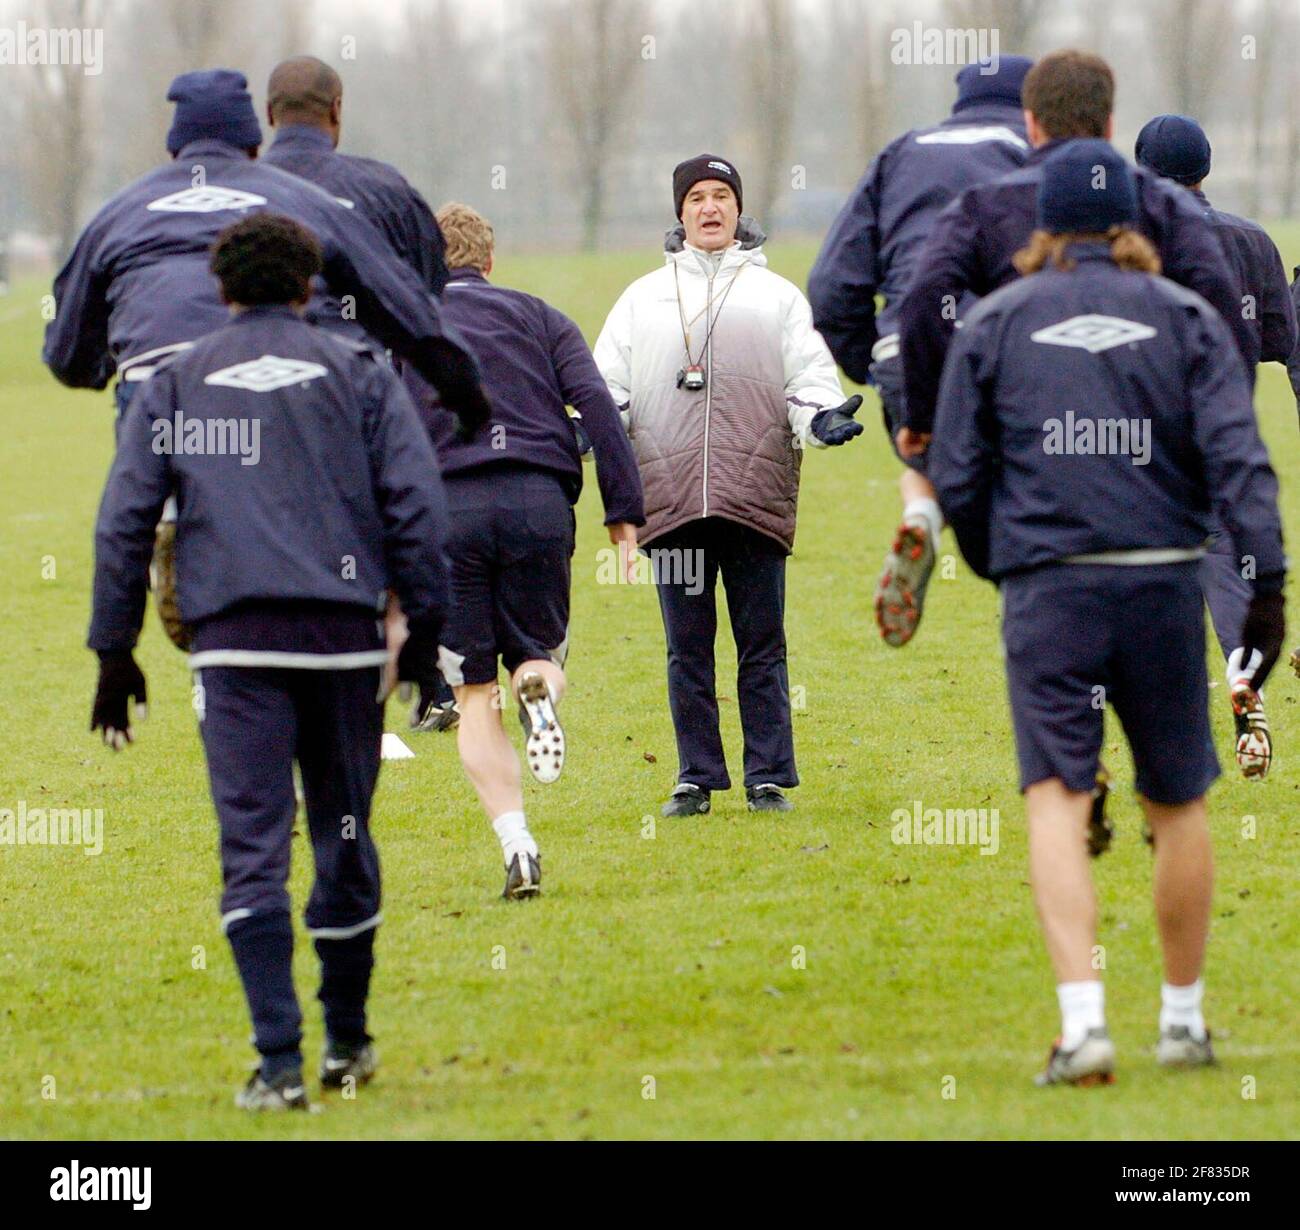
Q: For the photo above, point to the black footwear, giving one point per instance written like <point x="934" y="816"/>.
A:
<point x="1092" y="1062"/>
<point x="343" y="1060"/>
<point x="687" y="799"/>
<point x="767" y="798"/>
<point x="285" y="1092"/>
<point x="439" y="717"/>
<point x="543" y="738"/>
<point x="523" y="878"/>
<point x="1100" y="829"/>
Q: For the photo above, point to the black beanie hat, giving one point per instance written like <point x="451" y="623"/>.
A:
<point x="703" y="166"/>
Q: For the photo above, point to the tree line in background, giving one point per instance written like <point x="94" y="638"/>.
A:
<point x="562" y="119"/>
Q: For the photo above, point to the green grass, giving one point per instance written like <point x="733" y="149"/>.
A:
<point x="668" y="957"/>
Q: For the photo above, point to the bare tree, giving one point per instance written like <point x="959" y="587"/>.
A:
<point x="1016" y="21"/>
<point x="1290" y="160"/>
<point x="768" y="49"/>
<point x="1193" y="40"/>
<point x="863" y="26"/>
<point x="1267" y="26"/>
<point x="593" y="47"/>
<point x="56" y="148"/>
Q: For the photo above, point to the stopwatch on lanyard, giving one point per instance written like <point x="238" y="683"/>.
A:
<point x="692" y="376"/>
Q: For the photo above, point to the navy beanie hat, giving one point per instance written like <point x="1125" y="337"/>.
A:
<point x="1174" y="147"/>
<point x="1087" y="187"/>
<point x="213" y="103"/>
<point x="1000" y="86"/>
<point x="703" y="166"/>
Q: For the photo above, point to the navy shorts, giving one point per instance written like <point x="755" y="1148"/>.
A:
<point x="887" y="374"/>
<point x="1081" y="636"/>
<point x="510" y="546"/>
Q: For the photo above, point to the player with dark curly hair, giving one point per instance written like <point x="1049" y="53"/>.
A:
<point x="306" y="489"/>
<point x="266" y="259"/>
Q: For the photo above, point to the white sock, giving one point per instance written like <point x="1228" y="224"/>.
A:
<point x="1182" y="1006"/>
<point x="928" y="510"/>
<point x="1237" y="670"/>
<point x="1083" y="1007"/>
<point x="512" y="829"/>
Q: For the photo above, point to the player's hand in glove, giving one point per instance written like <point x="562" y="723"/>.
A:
<point x="583" y="439"/>
<point x="417" y="664"/>
<point x="836" y="425"/>
<point x="120" y="682"/>
<point x="1263" y="633"/>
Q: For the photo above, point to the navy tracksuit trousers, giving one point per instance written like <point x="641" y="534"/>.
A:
<point x="752" y="565"/>
<point x="1227" y="593"/>
<point x="255" y="723"/>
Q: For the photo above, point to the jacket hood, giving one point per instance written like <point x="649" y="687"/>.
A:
<point x="748" y="232"/>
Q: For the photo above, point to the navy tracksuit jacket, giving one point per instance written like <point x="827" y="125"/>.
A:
<point x="972" y="244"/>
<point x="137" y="285"/>
<point x="1100" y="343"/>
<point x="535" y="362"/>
<point x="306" y="488"/>
<point x="871" y="248"/>
<point x="1271" y="315"/>
<point x="377" y="191"/>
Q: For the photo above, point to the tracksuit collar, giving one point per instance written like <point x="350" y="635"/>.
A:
<point x="208" y="146"/>
<point x="303" y="134"/>
<point x="264" y="311"/>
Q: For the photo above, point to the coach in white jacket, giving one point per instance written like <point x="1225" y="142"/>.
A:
<point x="723" y="381"/>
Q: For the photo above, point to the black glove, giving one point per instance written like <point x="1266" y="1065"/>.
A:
<point x="451" y="371"/>
<point x="837" y="425"/>
<point x="417" y="663"/>
<point x="472" y="409"/>
<point x="580" y="434"/>
<point x="1264" y="630"/>
<point x="120" y="682"/>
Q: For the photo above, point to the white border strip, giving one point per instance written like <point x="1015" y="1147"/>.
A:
<point x="283" y="658"/>
<point x="344" y="933"/>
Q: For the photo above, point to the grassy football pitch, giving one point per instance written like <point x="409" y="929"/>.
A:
<point x="729" y="976"/>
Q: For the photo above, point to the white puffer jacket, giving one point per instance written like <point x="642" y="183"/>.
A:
<point x="733" y="448"/>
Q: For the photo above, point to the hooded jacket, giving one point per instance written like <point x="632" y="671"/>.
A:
<point x="731" y="449"/>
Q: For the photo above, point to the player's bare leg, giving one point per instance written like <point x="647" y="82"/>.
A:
<point x="900" y="592"/>
<point x="1067" y="912"/>
<point x="492" y="766"/>
<point x="1184" y="886"/>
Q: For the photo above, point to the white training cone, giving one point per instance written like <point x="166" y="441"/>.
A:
<point x="391" y="747"/>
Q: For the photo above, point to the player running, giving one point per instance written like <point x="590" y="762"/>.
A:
<point x="288" y="650"/>
<point x="304" y="106"/>
<point x="1067" y="95"/>
<point x="511" y="494"/>
<point x="871" y="250"/>
<point x="1177" y="148"/>
<point x="137" y="288"/>
<point x="1089" y="419"/>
